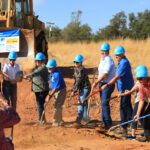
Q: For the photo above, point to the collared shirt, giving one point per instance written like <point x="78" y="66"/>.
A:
<point x="125" y="82"/>
<point x="107" y="66"/>
<point x="56" y="80"/>
<point x="144" y="91"/>
<point x="11" y="70"/>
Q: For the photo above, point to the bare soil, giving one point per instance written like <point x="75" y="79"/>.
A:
<point x="29" y="136"/>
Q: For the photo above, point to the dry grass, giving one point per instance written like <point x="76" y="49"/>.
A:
<point x="138" y="52"/>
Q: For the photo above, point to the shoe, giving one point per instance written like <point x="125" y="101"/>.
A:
<point x="144" y="139"/>
<point x="142" y="134"/>
<point x="61" y="123"/>
<point x="55" y="124"/>
<point x="77" y="125"/>
<point x="122" y="131"/>
<point x="131" y="137"/>
<point x="86" y="120"/>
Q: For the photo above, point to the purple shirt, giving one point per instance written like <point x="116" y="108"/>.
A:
<point x="8" y="118"/>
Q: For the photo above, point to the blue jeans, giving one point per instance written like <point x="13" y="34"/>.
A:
<point x="40" y="100"/>
<point x="10" y="93"/>
<point x="82" y="109"/>
<point x="125" y="109"/>
<point x="105" y="95"/>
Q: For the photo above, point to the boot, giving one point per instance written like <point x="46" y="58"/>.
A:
<point x="144" y="139"/>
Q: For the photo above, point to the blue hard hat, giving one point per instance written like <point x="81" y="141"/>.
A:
<point x="12" y="55"/>
<point x="141" y="71"/>
<point x="40" y="56"/>
<point x="105" y="47"/>
<point x="119" y="50"/>
<point x="51" y="63"/>
<point x="79" y="58"/>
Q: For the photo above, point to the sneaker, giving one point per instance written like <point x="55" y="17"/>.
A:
<point x="131" y="137"/>
<point x="55" y="124"/>
<point x="144" y="139"/>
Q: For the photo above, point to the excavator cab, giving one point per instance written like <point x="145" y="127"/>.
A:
<point x="19" y="14"/>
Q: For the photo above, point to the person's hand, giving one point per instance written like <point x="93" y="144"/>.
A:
<point x="136" y="117"/>
<point x="4" y="103"/>
<point x="27" y="77"/>
<point x="48" y="98"/>
<point x="104" y="87"/>
<point x="119" y="95"/>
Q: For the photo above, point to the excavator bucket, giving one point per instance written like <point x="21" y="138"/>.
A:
<point x="21" y="31"/>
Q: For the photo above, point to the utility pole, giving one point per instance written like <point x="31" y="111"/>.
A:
<point x="50" y="24"/>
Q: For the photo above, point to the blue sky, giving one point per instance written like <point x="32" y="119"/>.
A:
<point x="96" y="13"/>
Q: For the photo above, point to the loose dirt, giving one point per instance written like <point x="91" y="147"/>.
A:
<point x="29" y="136"/>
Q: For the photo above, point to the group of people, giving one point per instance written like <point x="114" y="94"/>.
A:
<point x="122" y="75"/>
<point x="48" y="82"/>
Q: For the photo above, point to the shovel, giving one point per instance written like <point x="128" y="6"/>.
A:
<point x="124" y="123"/>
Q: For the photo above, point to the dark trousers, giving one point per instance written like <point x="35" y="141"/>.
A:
<point x="10" y="93"/>
<point x="40" y="100"/>
<point x="105" y="95"/>
<point x="146" y="121"/>
<point x="134" y="124"/>
<point x="125" y="109"/>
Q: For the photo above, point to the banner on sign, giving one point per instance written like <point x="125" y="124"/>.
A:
<point x="9" y="40"/>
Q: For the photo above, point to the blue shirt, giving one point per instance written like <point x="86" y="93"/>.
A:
<point x="125" y="82"/>
<point x="56" y="80"/>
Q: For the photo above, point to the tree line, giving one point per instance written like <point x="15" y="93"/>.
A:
<point x="133" y="26"/>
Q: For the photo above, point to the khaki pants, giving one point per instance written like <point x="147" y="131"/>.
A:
<point x="59" y="97"/>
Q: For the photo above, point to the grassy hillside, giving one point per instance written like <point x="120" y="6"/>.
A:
<point x="138" y="52"/>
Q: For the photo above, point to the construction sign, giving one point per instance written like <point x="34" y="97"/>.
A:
<point x="9" y="40"/>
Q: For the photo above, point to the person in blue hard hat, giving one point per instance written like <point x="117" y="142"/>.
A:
<point x="106" y="72"/>
<point x="135" y="90"/>
<point x="144" y="93"/>
<point x="83" y="87"/>
<point x="124" y="79"/>
<point x="40" y="87"/>
<point x="58" y="90"/>
<point x="9" y="71"/>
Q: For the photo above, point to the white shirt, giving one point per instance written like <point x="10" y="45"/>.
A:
<point x="107" y="66"/>
<point x="11" y="71"/>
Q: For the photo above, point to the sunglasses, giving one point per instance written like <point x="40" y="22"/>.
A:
<point x="140" y="78"/>
<point x="76" y="62"/>
<point x="118" y="55"/>
<point x="12" y="59"/>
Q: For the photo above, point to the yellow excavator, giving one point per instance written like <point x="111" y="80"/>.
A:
<point x="21" y="31"/>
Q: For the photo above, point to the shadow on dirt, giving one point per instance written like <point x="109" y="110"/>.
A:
<point x="67" y="71"/>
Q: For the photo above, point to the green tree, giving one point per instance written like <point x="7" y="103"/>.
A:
<point x="75" y="31"/>
<point x="116" y="28"/>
